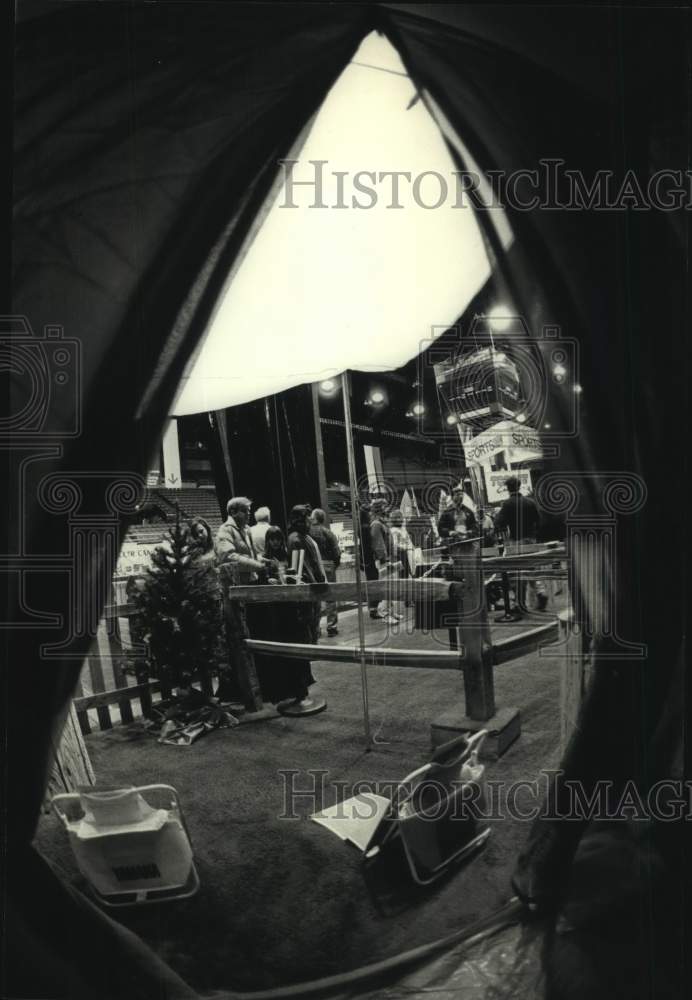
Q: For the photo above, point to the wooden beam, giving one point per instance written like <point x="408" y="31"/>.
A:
<point x="112" y="697"/>
<point x="542" y="557"/>
<point x="525" y="642"/>
<point x="375" y="655"/>
<point x="374" y="590"/>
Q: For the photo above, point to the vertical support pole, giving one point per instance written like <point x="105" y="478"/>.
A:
<point x="171" y="455"/>
<point x="474" y="633"/>
<point x="476" y="660"/>
<point x="357" y="549"/>
<point x="222" y="431"/>
<point x="319" y="449"/>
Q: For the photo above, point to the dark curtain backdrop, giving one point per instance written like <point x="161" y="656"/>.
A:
<point x="272" y="443"/>
<point x="146" y="139"/>
<point x="147" y="136"/>
<point x="617" y="283"/>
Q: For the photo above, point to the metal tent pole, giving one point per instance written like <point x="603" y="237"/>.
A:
<point x="357" y="549"/>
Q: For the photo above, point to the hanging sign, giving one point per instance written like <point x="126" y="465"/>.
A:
<point x="523" y="443"/>
<point x="481" y="384"/>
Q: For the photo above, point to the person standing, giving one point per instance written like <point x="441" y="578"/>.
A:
<point x="518" y="516"/>
<point x="299" y="540"/>
<point x="238" y="564"/>
<point x="259" y="529"/>
<point x="458" y="521"/>
<point x="404" y="551"/>
<point x="383" y="552"/>
<point x="330" y="551"/>
<point x="519" y="519"/>
<point x="281" y="678"/>
<point x="367" y="558"/>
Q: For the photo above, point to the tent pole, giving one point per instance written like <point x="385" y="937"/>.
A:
<point x="357" y="549"/>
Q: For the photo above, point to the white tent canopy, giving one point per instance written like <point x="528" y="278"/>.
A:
<point x="326" y="289"/>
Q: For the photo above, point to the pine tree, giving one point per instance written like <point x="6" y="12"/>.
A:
<point x="181" y="611"/>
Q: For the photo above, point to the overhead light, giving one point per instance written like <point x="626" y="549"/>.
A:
<point x="329" y="386"/>
<point x="521" y="418"/>
<point x="376" y="397"/>
<point x="547" y="426"/>
<point x="577" y="388"/>
<point x="500" y="318"/>
<point x="418" y="409"/>
<point x="559" y="371"/>
<point x="452" y="419"/>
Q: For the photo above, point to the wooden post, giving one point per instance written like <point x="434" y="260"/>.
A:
<point x="476" y="661"/>
<point x="71" y="766"/>
<point x="98" y="685"/>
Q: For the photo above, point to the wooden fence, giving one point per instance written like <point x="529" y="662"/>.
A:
<point x="106" y="685"/>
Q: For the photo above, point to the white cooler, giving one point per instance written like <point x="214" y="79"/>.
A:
<point x="131" y="844"/>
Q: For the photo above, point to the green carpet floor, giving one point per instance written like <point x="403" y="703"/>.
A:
<point x="284" y="900"/>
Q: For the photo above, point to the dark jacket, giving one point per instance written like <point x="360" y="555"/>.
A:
<point x="448" y="522"/>
<point x="367" y="556"/>
<point x="327" y="543"/>
<point x="381" y="539"/>
<point x="313" y="570"/>
<point x="519" y="516"/>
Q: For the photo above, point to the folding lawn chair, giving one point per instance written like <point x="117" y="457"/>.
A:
<point x="437" y="811"/>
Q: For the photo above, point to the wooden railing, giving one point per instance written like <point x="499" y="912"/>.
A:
<point x="474" y="653"/>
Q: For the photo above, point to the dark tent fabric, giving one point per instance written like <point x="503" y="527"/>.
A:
<point x="594" y="274"/>
<point x="146" y="139"/>
<point x="134" y="154"/>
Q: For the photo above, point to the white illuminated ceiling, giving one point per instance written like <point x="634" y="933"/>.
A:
<point x="322" y="290"/>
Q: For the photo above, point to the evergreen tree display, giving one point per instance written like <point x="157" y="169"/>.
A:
<point x="180" y="611"/>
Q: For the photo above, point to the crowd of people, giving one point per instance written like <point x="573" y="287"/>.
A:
<point x="309" y="551"/>
<point x="262" y="553"/>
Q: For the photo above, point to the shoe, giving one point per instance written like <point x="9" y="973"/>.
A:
<point x="394" y="614"/>
<point x="332" y="631"/>
<point x="391" y="620"/>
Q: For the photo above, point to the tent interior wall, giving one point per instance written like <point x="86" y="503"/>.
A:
<point x="146" y="140"/>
